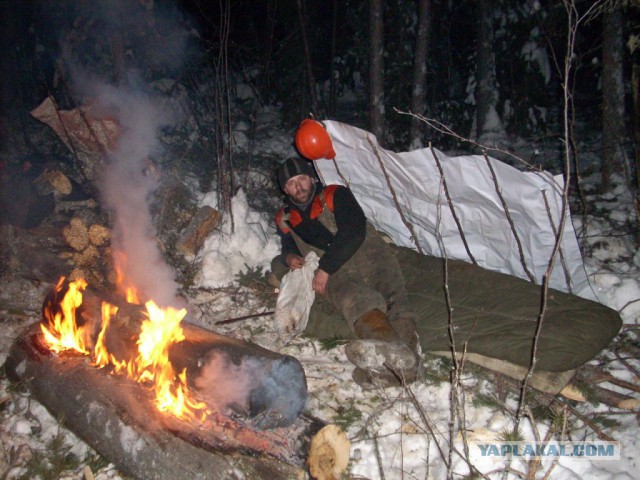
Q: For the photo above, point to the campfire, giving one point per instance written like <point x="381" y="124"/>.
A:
<point x="152" y="392"/>
<point x="150" y="365"/>
<point x="137" y="341"/>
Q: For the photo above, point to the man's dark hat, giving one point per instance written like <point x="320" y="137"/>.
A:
<point x="294" y="166"/>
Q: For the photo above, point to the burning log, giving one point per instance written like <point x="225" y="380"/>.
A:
<point x="265" y="387"/>
<point x="253" y="400"/>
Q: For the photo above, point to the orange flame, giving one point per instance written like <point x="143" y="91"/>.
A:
<point x="127" y="288"/>
<point x="101" y="355"/>
<point x="63" y="332"/>
<point x="158" y="332"/>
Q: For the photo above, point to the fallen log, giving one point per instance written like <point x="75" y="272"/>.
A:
<point x="247" y="389"/>
<point x="202" y="224"/>
<point x="592" y="374"/>
<point x="266" y="388"/>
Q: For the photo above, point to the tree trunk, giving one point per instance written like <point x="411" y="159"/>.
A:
<point x="419" y="92"/>
<point x="223" y="135"/>
<point x="117" y="52"/>
<point x="613" y="129"/>
<point x="376" y="69"/>
<point x="488" y="124"/>
<point x="331" y="110"/>
<point x="311" y="79"/>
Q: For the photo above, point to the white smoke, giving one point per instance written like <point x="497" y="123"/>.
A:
<point x="224" y="383"/>
<point x="270" y="392"/>
<point x="129" y="177"/>
<point x="128" y="180"/>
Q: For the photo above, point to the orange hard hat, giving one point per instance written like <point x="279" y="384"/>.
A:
<point x="313" y="141"/>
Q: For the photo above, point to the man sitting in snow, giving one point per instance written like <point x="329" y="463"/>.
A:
<point x="357" y="273"/>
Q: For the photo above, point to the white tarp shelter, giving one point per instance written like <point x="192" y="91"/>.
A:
<point x="533" y="199"/>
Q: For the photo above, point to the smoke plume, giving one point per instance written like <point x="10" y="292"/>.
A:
<point x="129" y="176"/>
<point x="128" y="181"/>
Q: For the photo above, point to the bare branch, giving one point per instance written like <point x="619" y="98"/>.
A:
<point x="567" y="275"/>
<point x="378" y="458"/>
<point x="572" y="28"/>
<point x="505" y="208"/>
<point x="404" y="219"/>
<point x="450" y="202"/>
<point x="442" y="128"/>
<point x="244" y="317"/>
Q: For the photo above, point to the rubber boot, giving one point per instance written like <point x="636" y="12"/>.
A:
<point x="405" y="327"/>
<point x="370" y="380"/>
<point x="379" y="349"/>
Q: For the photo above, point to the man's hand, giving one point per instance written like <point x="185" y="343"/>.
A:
<point x="294" y="261"/>
<point x="320" y="280"/>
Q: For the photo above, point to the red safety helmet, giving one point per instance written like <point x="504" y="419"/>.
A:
<point x="313" y="141"/>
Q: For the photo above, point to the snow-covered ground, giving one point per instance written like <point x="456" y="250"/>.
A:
<point x="395" y="433"/>
<point x="390" y="438"/>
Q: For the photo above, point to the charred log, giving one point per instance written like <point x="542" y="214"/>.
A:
<point x="266" y="388"/>
<point x="117" y="418"/>
<point x="253" y="396"/>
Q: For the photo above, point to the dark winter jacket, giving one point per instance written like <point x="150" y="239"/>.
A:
<point x="350" y="221"/>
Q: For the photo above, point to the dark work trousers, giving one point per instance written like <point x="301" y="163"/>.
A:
<point x="370" y="279"/>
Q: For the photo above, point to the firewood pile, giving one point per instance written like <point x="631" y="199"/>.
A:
<point x="53" y="198"/>
<point x="86" y="134"/>
<point x="90" y="248"/>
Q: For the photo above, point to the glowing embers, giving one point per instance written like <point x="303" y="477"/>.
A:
<point x="151" y="365"/>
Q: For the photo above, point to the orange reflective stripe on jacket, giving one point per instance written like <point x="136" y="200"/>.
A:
<point x="325" y="198"/>
<point x="280" y="223"/>
<point x="293" y="218"/>
<point x="284" y="220"/>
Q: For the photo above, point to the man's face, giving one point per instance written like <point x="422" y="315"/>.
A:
<point x="299" y="188"/>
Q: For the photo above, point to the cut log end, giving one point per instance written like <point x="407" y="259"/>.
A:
<point x="572" y="393"/>
<point x="601" y="395"/>
<point x="328" y="453"/>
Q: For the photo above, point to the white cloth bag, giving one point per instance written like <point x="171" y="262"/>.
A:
<point x="296" y="297"/>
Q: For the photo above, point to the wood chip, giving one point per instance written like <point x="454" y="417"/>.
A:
<point x="88" y="474"/>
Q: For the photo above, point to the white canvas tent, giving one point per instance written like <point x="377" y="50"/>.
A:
<point x="533" y="200"/>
